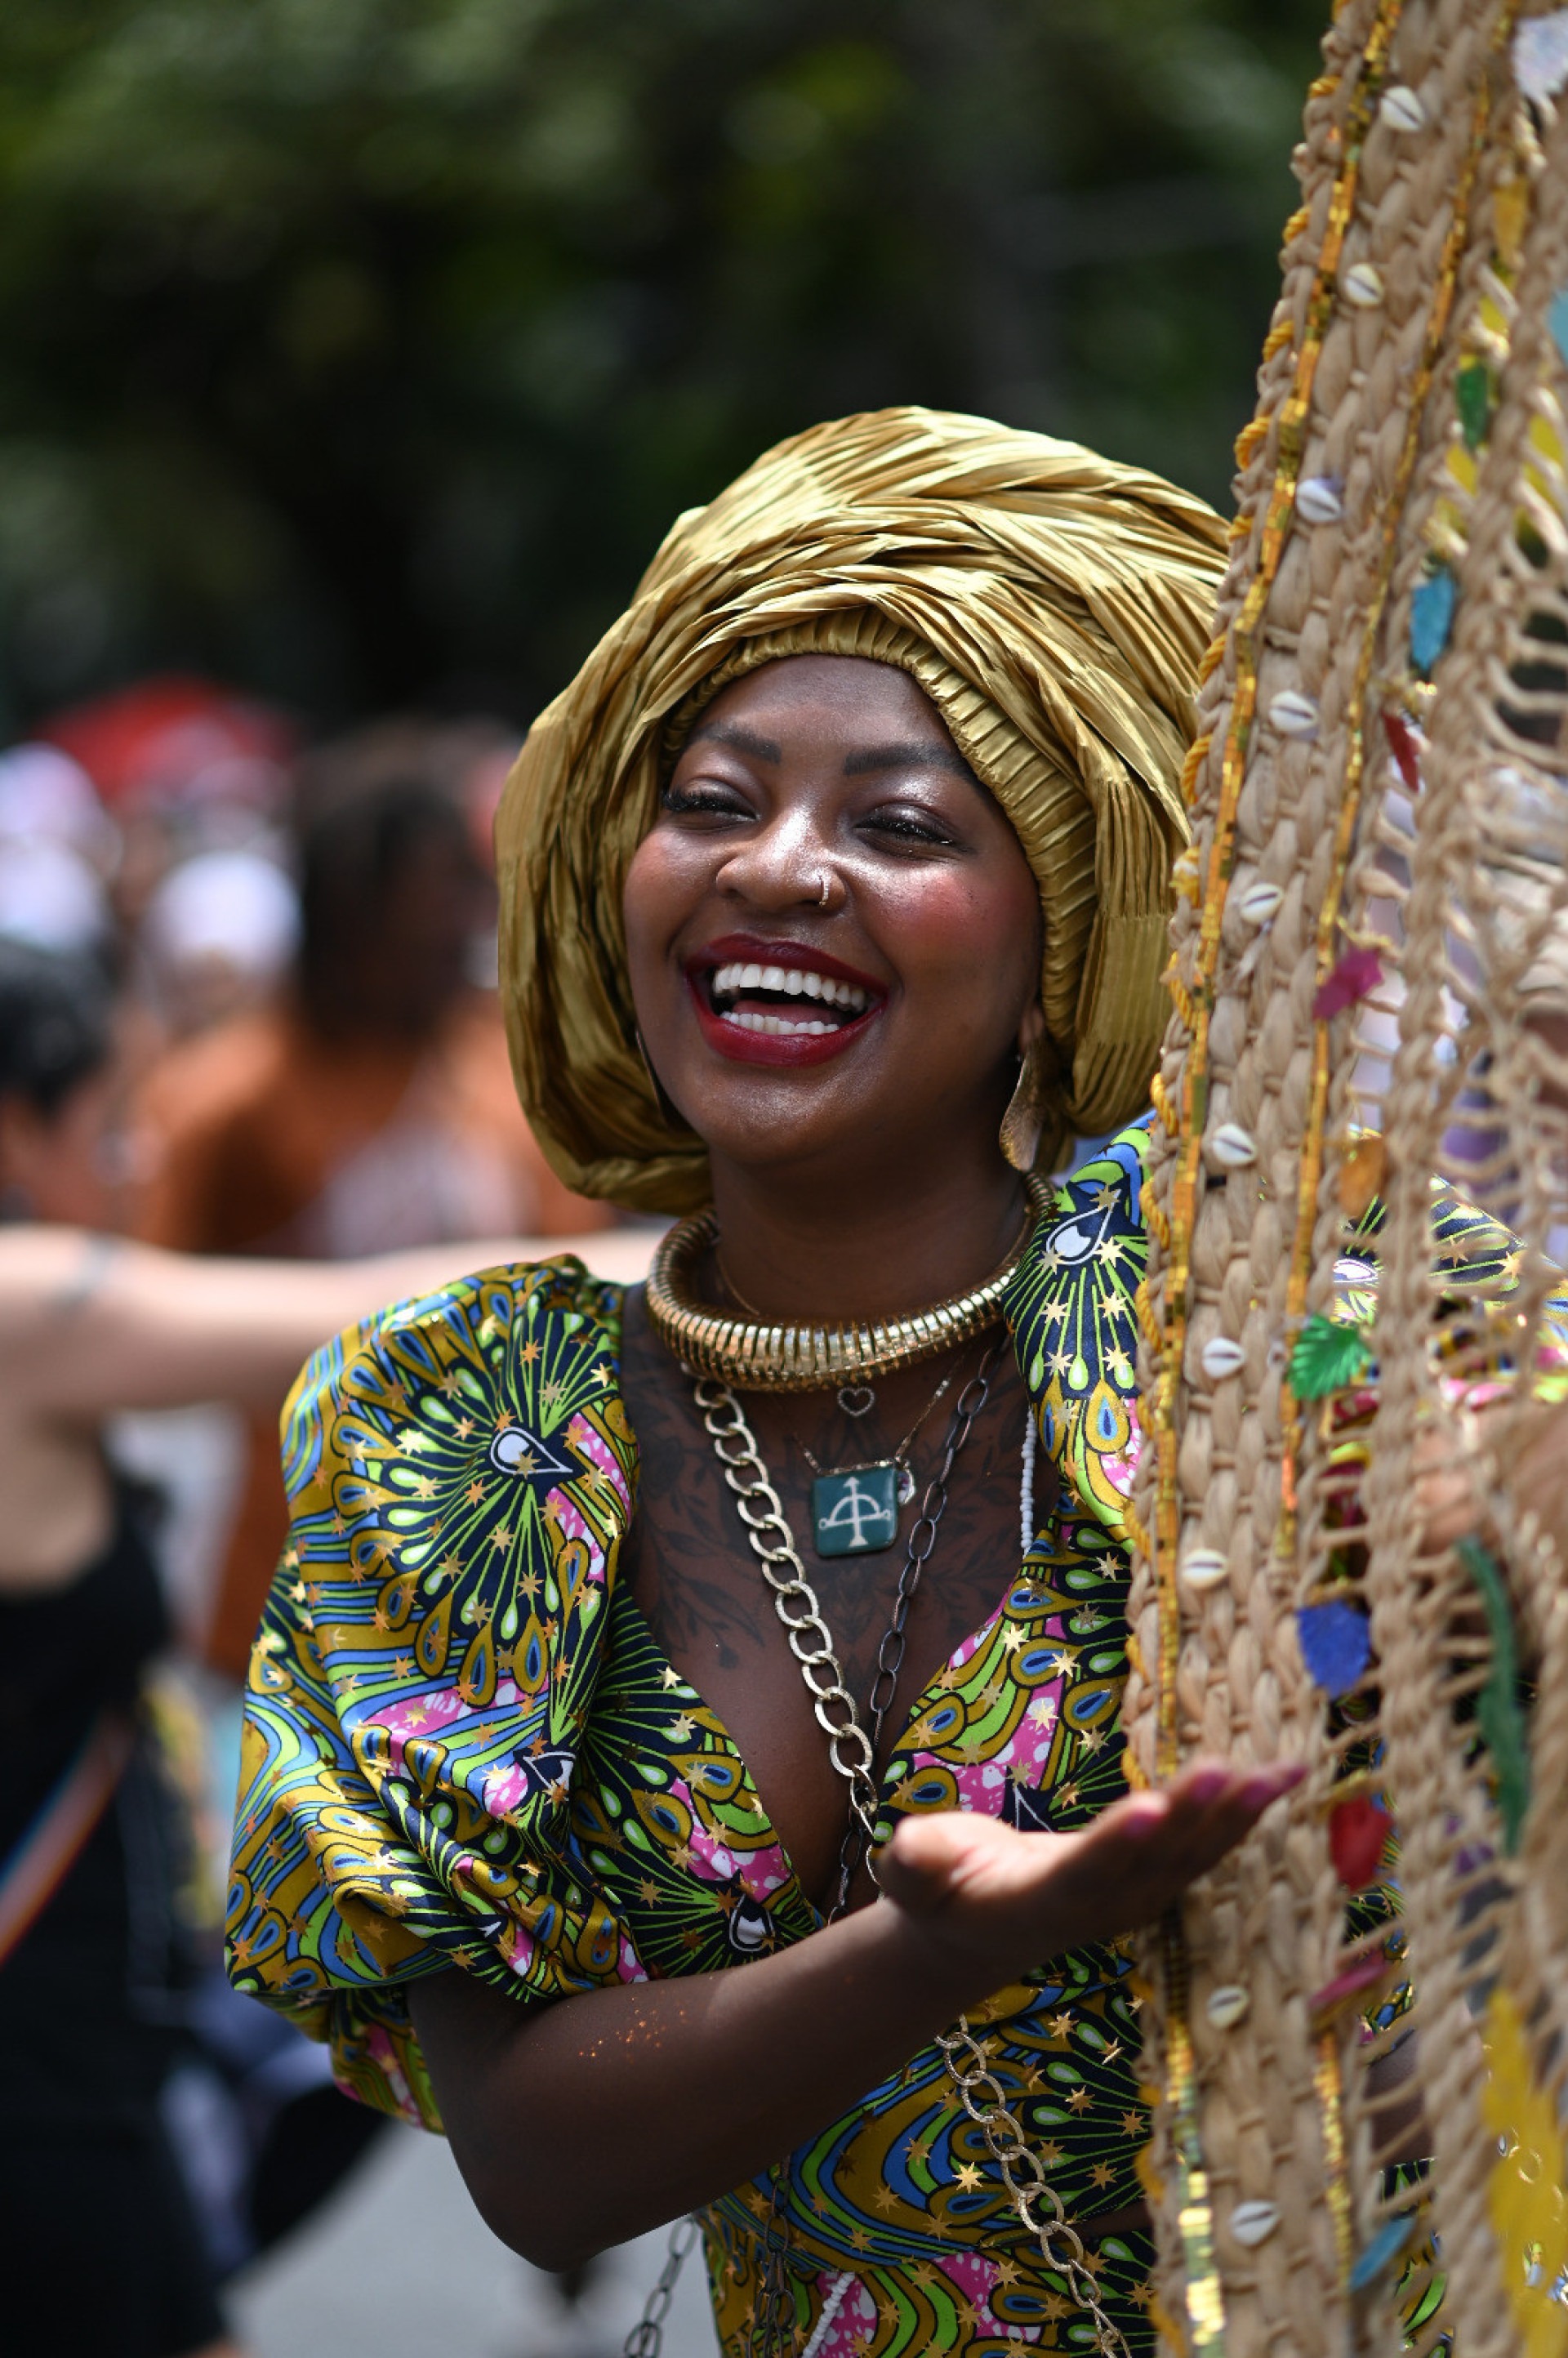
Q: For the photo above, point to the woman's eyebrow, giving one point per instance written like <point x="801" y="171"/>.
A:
<point x="744" y="741"/>
<point x="920" y="754"/>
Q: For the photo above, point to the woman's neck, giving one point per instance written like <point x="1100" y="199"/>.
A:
<point x="807" y="1249"/>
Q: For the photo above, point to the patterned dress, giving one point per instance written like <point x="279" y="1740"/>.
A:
<point x="463" y="1746"/>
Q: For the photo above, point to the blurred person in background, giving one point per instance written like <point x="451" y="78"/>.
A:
<point x="466" y="761"/>
<point x="58" y="847"/>
<point x="370" y="1106"/>
<point x="217" y="936"/>
<point x="99" y="1937"/>
<point x="184" y="767"/>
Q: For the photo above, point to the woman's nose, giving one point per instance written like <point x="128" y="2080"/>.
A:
<point x="782" y="864"/>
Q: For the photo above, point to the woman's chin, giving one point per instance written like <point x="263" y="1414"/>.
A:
<point x="780" y="1120"/>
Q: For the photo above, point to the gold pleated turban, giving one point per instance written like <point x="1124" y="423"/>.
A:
<point x="1052" y="604"/>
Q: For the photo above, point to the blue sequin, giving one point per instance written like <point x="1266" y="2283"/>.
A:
<point x="1335" y="1642"/>
<point x="1557" y="320"/>
<point x="1431" y="619"/>
<point x="1386" y="2245"/>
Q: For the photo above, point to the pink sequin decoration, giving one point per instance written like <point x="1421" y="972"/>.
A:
<point x="1359" y="972"/>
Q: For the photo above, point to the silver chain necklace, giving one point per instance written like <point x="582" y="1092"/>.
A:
<point x="852" y="1751"/>
<point x="851" y="1747"/>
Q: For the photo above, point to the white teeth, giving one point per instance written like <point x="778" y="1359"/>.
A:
<point x="779" y="1025"/>
<point x="796" y="982"/>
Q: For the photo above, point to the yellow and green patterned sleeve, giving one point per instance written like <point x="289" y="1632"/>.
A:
<point x="459" y="1473"/>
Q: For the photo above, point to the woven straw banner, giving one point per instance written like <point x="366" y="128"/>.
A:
<point x="1355" y="1354"/>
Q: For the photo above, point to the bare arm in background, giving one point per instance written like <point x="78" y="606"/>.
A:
<point x="90" y="1325"/>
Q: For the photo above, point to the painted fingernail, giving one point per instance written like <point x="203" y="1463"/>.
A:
<point x="1208" y="1784"/>
<point x="1267" y="1785"/>
<point x="1144" y="1817"/>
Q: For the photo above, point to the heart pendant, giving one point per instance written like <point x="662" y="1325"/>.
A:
<point x="857" y="1400"/>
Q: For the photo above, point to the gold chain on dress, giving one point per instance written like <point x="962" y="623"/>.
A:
<point x="852" y="1753"/>
<point x="794" y="1601"/>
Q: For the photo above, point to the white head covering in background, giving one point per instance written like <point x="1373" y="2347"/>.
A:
<point x="218" y="933"/>
<point x="49" y="897"/>
<point x="57" y="844"/>
<point x="46" y="797"/>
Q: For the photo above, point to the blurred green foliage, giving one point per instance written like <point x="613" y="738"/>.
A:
<point x="361" y="350"/>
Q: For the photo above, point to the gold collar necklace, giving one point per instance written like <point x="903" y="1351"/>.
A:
<point x="753" y="1354"/>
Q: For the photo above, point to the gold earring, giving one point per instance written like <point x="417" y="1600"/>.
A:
<point x="1021" y="1124"/>
<point x="672" y="1116"/>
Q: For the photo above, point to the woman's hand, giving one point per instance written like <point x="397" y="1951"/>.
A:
<point x="651" y="2091"/>
<point x="978" y="1889"/>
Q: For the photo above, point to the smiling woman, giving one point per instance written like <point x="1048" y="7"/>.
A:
<point x="816" y="801"/>
<point x="834" y="892"/>
<point x="823" y="807"/>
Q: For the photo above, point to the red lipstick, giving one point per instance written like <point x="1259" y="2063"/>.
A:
<point x="756" y="949"/>
<point x="741" y="1044"/>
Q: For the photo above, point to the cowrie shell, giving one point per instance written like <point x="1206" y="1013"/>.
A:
<point x="1220" y="1358"/>
<point x="1363" y="285"/>
<point x="1253" y="2223"/>
<point x="1400" y="109"/>
<point x="1233" y="1147"/>
<point x="1293" y="714"/>
<point x="1204" y="1568"/>
<point x="1318" y="500"/>
<point x="1227" y="2006"/>
<point x="1259" y="903"/>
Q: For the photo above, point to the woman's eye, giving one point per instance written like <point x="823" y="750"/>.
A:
<point x="721" y="802"/>
<point x="907" y="825"/>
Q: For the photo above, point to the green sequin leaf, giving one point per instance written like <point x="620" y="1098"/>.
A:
<point x="1327" y="1358"/>
<point x="1498" y="1708"/>
<point x="1473" y="399"/>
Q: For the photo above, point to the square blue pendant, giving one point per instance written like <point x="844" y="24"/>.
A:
<point x="855" y="1514"/>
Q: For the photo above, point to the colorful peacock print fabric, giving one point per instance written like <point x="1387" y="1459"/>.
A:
<point x="463" y="1746"/>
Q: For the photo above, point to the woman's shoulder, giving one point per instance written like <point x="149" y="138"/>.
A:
<point x="1092" y="1231"/>
<point x="464" y="1437"/>
<point x="465" y="1458"/>
<point x="544" y="1336"/>
<point x="1072" y="1308"/>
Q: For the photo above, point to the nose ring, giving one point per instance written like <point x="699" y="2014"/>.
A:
<point x="827" y="883"/>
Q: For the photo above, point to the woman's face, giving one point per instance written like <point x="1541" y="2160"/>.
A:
<point x="795" y="1030"/>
